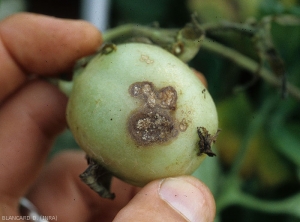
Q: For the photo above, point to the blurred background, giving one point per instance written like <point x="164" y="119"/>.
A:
<point x="256" y="174"/>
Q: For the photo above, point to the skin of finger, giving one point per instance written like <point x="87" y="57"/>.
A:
<point x="59" y="191"/>
<point x="29" y="121"/>
<point x="148" y="206"/>
<point x="201" y="77"/>
<point x="43" y="45"/>
<point x="11" y="75"/>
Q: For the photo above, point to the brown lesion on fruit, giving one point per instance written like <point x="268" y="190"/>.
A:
<point x="183" y="125"/>
<point x="205" y="141"/>
<point x="149" y="126"/>
<point x="167" y="98"/>
<point x="153" y="122"/>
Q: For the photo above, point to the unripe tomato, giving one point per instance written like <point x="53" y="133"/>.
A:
<point x="136" y="111"/>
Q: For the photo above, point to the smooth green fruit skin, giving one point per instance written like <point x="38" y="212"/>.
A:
<point x="100" y="105"/>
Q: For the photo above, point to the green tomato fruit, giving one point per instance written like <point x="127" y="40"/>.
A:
<point x="136" y="111"/>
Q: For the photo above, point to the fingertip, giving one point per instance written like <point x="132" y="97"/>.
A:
<point x="189" y="197"/>
<point x="52" y="44"/>
<point x="172" y="199"/>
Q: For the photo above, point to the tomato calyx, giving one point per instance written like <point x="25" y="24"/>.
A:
<point x="98" y="178"/>
<point x="205" y="141"/>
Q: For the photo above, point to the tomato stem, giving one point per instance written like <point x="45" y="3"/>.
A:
<point x="185" y="44"/>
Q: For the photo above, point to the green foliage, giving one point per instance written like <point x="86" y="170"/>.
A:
<point x="285" y="130"/>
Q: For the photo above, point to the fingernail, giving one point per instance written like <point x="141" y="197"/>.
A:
<point x="184" y="197"/>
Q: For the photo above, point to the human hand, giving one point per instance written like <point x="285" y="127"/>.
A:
<point x="32" y="114"/>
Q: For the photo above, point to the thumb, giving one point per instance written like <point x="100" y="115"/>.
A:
<point x="173" y="199"/>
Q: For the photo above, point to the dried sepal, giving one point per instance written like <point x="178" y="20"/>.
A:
<point x="205" y="141"/>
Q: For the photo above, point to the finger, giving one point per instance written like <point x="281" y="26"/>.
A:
<point x="29" y="122"/>
<point x="174" y="199"/>
<point x="39" y="44"/>
<point x="60" y="192"/>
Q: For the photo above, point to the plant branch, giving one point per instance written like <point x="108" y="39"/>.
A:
<point x="231" y="194"/>
<point x="248" y="64"/>
<point x="287" y="206"/>
<point x="185" y="43"/>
